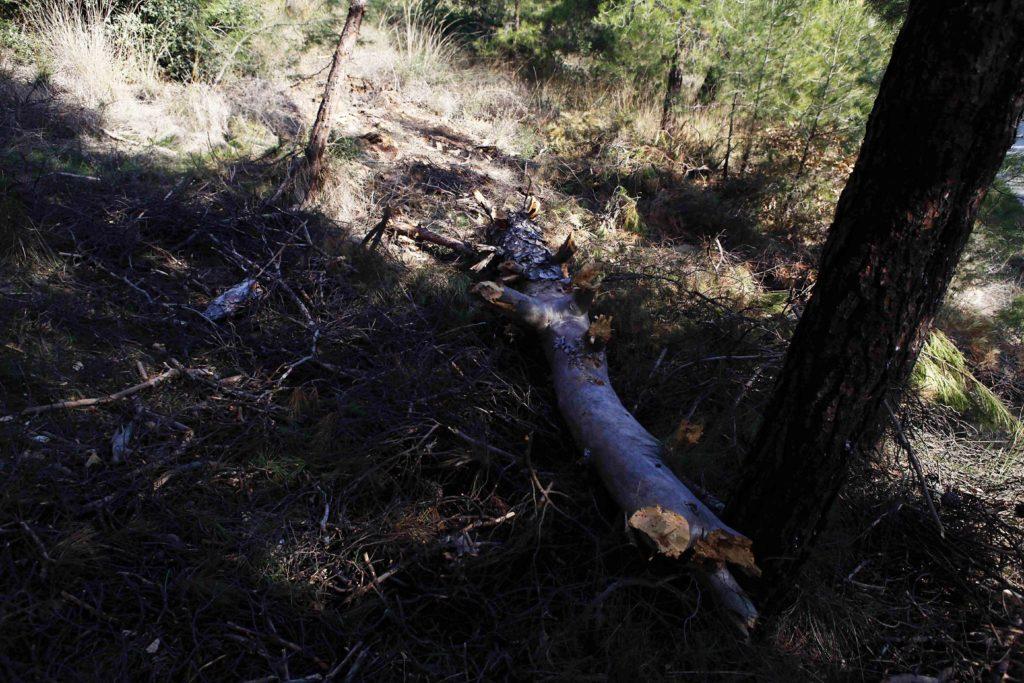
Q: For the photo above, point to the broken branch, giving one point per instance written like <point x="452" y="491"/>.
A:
<point x="87" y="402"/>
<point x="626" y="456"/>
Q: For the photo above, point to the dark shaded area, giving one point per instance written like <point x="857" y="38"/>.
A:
<point x="350" y="511"/>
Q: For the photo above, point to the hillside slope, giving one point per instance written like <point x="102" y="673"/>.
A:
<point x="363" y="475"/>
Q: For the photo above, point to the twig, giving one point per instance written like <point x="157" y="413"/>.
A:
<point x="86" y="402"/>
<point x="650" y="376"/>
<point x="901" y="438"/>
<point x="418" y="232"/>
<point x="123" y="278"/>
<point x="377" y="232"/>
<point x="79" y="176"/>
<point x="378" y="579"/>
<point x="278" y="640"/>
<point x="486" y="446"/>
<point x="86" y="606"/>
<point x="341" y="665"/>
<point x="35" y="539"/>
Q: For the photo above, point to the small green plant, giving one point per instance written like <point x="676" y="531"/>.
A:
<point x="1013" y="315"/>
<point x="627" y="217"/>
<point x="13" y="39"/>
<point x="195" y="39"/>
<point x="343" y="147"/>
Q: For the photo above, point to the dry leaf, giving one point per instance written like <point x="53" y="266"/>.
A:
<point x="600" y="332"/>
<point x="586" y="277"/>
<point x="686" y="434"/>
<point x="532" y="207"/>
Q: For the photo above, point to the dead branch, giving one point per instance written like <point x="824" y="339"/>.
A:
<point x="626" y="456"/>
<point x="87" y="402"/>
<point x="904" y="443"/>
<point x="422" y="234"/>
<point x="318" y="138"/>
<point x="278" y="640"/>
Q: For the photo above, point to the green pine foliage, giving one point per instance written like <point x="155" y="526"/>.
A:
<point x="941" y="375"/>
<point x="195" y="39"/>
<point x="807" y="68"/>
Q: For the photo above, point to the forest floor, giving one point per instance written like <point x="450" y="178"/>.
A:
<point x="364" y="476"/>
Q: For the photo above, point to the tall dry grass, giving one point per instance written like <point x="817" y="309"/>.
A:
<point x="425" y="45"/>
<point x="84" y="51"/>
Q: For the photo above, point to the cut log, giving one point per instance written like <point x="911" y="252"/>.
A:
<point x="627" y="457"/>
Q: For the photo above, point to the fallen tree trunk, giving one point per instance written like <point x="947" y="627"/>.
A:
<point x="627" y="457"/>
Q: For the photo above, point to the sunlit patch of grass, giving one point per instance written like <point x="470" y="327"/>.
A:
<point x="773" y="302"/>
<point x="941" y="375"/>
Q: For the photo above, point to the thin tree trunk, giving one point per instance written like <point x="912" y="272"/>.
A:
<point x="627" y="457"/>
<point x="728" y="139"/>
<point x="315" y="150"/>
<point x="674" y="83"/>
<point x="812" y="133"/>
<point x="709" y="86"/>
<point x="759" y="91"/>
<point x="823" y="94"/>
<point x="945" y="115"/>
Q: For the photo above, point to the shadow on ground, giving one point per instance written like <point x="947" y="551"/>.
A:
<point x="365" y="477"/>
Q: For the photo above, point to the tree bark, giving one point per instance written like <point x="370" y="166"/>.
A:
<point x="945" y="115"/>
<point x="627" y="457"/>
<point x="674" y="83"/>
<point x="315" y="150"/>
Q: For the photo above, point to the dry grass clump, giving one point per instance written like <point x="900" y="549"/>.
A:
<point x="426" y="48"/>
<point x="83" y="52"/>
<point x="413" y="54"/>
<point x="200" y="109"/>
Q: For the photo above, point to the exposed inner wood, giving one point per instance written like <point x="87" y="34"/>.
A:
<point x="627" y="457"/>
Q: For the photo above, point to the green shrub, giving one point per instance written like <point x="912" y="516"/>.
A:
<point x="195" y="39"/>
<point x="13" y="39"/>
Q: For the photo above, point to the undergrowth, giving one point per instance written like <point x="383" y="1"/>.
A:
<point x="364" y="476"/>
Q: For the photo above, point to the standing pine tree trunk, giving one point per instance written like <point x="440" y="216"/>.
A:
<point x="674" y="83"/>
<point x="945" y="114"/>
<point x="314" y="162"/>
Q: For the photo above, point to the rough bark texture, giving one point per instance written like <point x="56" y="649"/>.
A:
<point x="314" y="162"/>
<point x="944" y="117"/>
<point x="674" y="84"/>
<point x="627" y="457"/>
